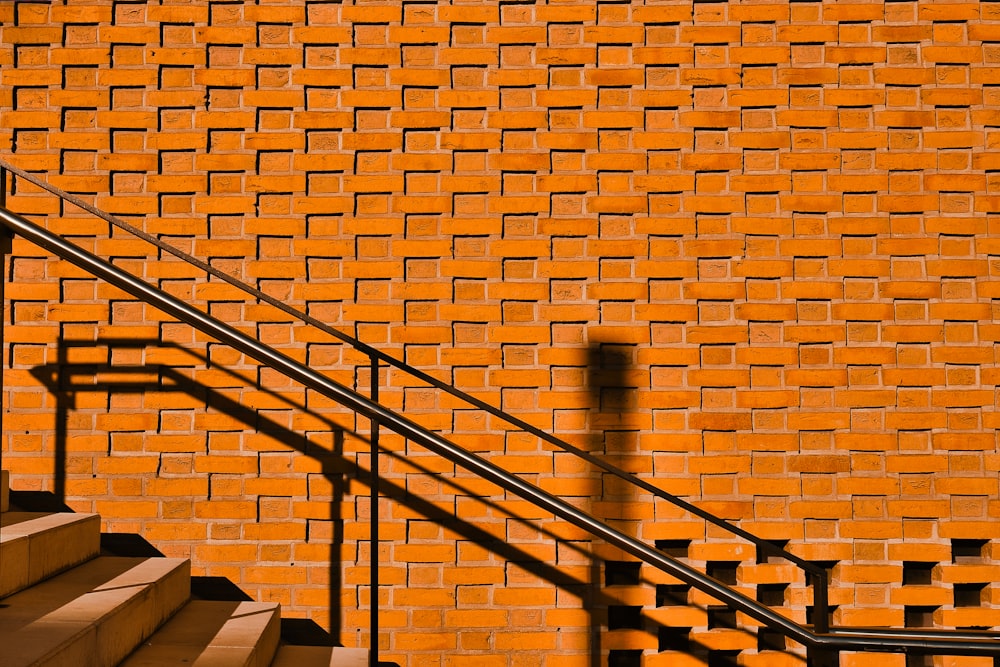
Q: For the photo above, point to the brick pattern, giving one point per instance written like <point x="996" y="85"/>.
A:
<point x="748" y="249"/>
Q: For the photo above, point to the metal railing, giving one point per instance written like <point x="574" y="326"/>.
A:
<point x="820" y="639"/>
<point x="818" y="575"/>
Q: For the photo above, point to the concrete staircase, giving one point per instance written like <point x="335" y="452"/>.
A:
<point x="63" y="603"/>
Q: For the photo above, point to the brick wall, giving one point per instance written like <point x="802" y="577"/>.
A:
<point x="747" y="249"/>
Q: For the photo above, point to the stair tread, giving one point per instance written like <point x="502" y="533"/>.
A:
<point x="214" y="634"/>
<point x="320" y="656"/>
<point x="37" y="545"/>
<point x="24" y="523"/>
<point x="89" y="615"/>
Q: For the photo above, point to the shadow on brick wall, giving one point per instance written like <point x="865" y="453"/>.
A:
<point x="611" y="398"/>
<point x="66" y="380"/>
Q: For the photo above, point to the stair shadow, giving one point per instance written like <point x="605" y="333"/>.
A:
<point x="612" y="382"/>
<point x="590" y="590"/>
<point x="203" y="587"/>
<point x="38" y="501"/>
<point x="58" y="378"/>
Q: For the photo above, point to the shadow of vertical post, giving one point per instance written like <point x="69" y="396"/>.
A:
<point x="611" y="395"/>
<point x="338" y="483"/>
<point x="65" y="402"/>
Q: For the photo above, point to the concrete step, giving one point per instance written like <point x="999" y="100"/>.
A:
<point x="62" y="604"/>
<point x="214" y="634"/>
<point x="320" y="656"/>
<point x="36" y="545"/>
<point x="93" y="615"/>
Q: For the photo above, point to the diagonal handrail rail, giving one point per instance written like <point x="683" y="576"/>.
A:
<point x="818" y="574"/>
<point x="945" y="642"/>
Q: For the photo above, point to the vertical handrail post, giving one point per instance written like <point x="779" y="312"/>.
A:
<point x="821" y="621"/>
<point x="373" y="514"/>
<point x="821" y="603"/>
<point x="6" y="238"/>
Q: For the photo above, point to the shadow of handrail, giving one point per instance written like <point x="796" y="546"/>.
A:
<point x="818" y="575"/>
<point x="63" y="379"/>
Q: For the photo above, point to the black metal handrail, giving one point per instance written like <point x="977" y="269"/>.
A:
<point x="819" y="576"/>
<point x="824" y="643"/>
